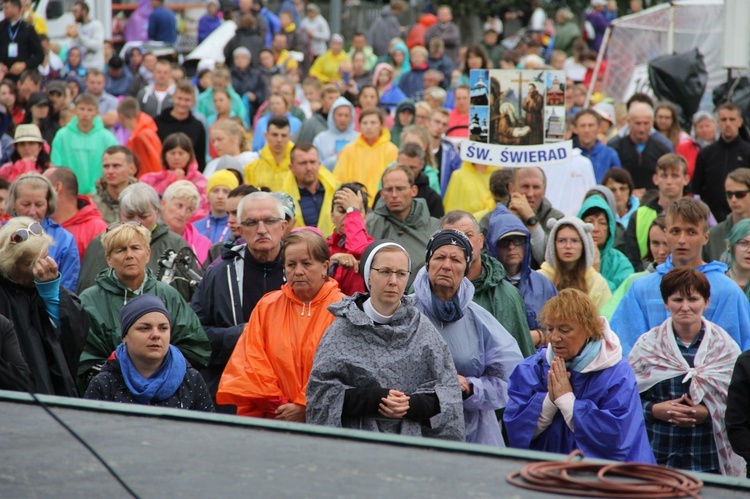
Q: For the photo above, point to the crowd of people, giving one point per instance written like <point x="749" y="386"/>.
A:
<point x="292" y="234"/>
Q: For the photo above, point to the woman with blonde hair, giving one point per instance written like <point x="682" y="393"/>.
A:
<point x="578" y="392"/>
<point x="228" y="138"/>
<point x="127" y="249"/>
<point x="570" y="257"/>
<point x="50" y="322"/>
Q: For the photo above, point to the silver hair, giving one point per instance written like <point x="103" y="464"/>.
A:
<point x="455" y="216"/>
<point x="31" y="180"/>
<point x="259" y="196"/>
<point x="703" y="115"/>
<point x="184" y="190"/>
<point x="139" y="198"/>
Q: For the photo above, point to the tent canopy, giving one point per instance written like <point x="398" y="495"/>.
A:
<point x="664" y="29"/>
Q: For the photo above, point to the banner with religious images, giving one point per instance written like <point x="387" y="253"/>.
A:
<point x="520" y="110"/>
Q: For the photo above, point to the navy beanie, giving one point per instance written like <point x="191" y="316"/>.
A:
<point x="449" y="237"/>
<point x="137" y="308"/>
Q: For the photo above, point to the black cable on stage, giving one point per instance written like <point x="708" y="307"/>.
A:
<point x="86" y="444"/>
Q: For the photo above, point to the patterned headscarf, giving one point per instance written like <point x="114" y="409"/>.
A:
<point x="452" y="237"/>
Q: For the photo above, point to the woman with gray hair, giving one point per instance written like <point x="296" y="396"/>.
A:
<point x="50" y="322"/>
<point x="177" y="207"/>
<point x="138" y="202"/>
<point x="127" y="251"/>
<point x="32" y="195"/>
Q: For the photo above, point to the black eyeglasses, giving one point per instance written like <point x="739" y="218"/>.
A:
<point x="268" y="222"/>
<point x="21" y="235"/>
<point x="516" y="240"/>
<point x="737" y="194"/>
<point x="114" y="225"/>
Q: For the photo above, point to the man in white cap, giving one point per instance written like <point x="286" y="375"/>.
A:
<point x="326" y="67"/>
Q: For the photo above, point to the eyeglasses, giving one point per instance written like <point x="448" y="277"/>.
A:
<point x="743" y="244"/>
<point x="132" y="223"/>
<point x="565" y="242"/>
<point x="252" y="223"/>
<point x="387" y="273"/>
<point x="737" y="194"/>
<point x="516" y="240"/>
<point x="21" y="235"/>
<point x="395" y="190"/>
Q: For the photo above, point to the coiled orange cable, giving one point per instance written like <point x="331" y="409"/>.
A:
<point x="641" y="480"/>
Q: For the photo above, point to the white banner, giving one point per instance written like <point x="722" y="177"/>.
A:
<point x="516" y="156"/>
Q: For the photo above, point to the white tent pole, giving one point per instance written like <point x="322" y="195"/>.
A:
<point x="599" y="58"/>
<point x="670" y="33"/>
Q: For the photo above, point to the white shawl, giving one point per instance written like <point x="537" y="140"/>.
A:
<point x="656" y="358"/>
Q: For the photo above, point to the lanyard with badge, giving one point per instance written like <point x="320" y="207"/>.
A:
<point x="13" y="46"/>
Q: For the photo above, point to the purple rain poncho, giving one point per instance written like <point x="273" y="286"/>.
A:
<point x="483" y="352"/>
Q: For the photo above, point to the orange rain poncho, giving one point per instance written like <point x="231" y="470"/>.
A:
<point x="272" y="360"/>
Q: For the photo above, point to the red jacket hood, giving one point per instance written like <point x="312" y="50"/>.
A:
<point x="428" y="20"/>
<point x="87" y="212"/>
<point x="145" y="122"/>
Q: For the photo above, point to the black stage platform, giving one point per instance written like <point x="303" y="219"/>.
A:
<point x="171" y="453"/>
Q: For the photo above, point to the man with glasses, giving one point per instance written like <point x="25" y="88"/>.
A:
<point x="509" y="241"/>
<point x="736" y="188"/>
<point x="447" y="159"/>
<point x="642" y="307"/>
<point x="716" y="160"/>
<point x="230" y="290"/>
<point x="401" y="216"/>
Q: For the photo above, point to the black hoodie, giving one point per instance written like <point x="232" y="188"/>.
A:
<point x="192" y="127"/>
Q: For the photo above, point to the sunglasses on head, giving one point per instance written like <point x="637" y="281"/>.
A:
<point x="737" y="194"/>
<point x="22" y="235"/>
<point x="114" y="225"/>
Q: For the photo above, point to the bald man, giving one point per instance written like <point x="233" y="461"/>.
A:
<point x="640" y="150"/>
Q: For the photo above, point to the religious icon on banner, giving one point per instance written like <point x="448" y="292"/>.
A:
<point x="519" y="108"/>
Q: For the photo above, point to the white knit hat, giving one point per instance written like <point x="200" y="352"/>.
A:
<point x="584" y="230"/>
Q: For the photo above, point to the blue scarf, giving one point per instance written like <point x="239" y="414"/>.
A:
<point x="447" y="311"/>
<point x="162" y="385"/>
<point x="579" y="363"/>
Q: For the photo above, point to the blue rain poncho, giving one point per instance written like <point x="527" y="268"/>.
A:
<point x="607" y="416"/>
<point x="535" y="288"/>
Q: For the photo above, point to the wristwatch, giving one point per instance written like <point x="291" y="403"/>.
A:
<point x="350" y="209"/>
<point x="532" y="220"/>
